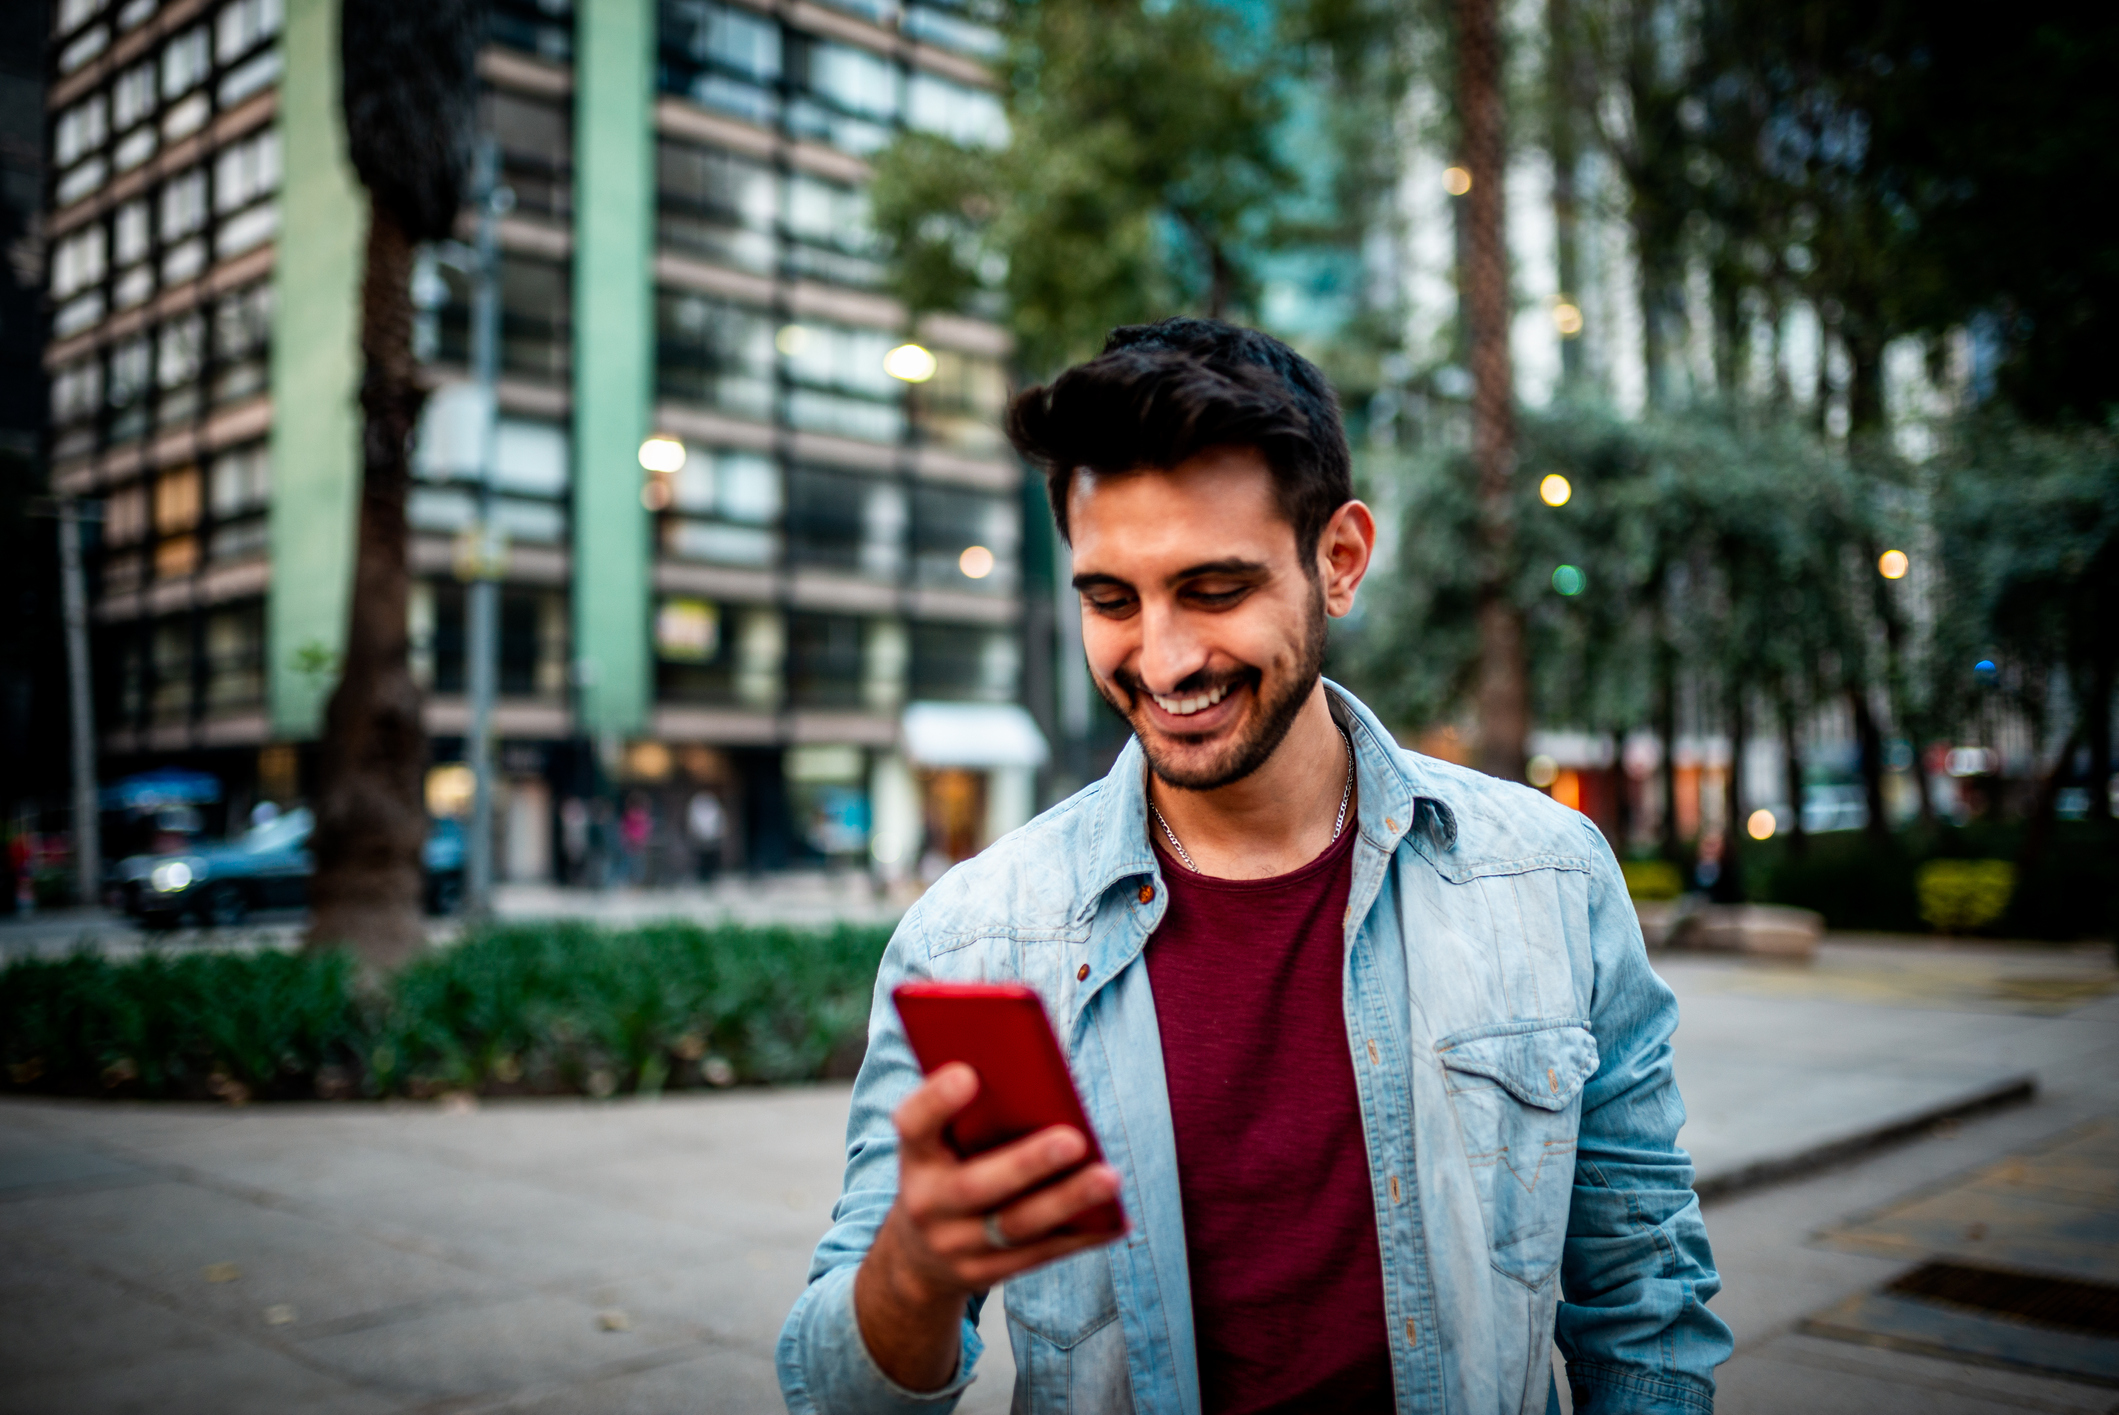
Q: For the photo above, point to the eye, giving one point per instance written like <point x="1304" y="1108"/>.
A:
<point x="1108" y="602"/>
<point x="1216" y="594"/>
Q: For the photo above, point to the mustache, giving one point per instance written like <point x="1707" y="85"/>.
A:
<point x="1201" y="682"/>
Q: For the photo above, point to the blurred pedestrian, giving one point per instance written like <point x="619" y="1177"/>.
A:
<point x="574" y="839"/>
<point x="706" y="822"/>
<point x="634" y="828"/>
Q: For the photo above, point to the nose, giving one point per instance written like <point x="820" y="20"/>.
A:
<point x="1169" y="651"/>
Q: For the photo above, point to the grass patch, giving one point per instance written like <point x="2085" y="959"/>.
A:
<point x="514" y="1009"/>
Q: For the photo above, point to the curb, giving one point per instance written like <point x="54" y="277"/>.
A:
<point x="2008" y="1091"/>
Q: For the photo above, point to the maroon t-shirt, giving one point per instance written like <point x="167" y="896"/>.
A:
<point x="1280" y="1225"/>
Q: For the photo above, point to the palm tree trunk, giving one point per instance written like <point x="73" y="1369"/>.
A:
<point x="1503" y="687"/>
<point x="371" y="819"/>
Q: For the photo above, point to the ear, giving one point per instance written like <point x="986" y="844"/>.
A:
<point x="1343" y="555"/>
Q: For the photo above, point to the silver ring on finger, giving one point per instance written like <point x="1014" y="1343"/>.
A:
<point x="993" y="1232"/>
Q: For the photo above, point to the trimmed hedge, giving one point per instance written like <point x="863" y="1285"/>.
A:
<point x="521" y="1009"/>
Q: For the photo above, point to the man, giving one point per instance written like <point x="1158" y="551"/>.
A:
<point x="1370" y="1041"/>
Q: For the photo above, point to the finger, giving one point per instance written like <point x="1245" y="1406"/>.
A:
<point x="994" y="1267"/>
<point x="995" y="1177"/>
<point x="1038" y="1214"/>
<point x="921" y="1115"/>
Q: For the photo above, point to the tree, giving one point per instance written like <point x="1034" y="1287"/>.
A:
<point x="1503" y="693"/>
<point x="1137" y="180"/>
<point x="410" y="91"/>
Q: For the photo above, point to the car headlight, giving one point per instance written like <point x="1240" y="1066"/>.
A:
<point x="170" y="876"/>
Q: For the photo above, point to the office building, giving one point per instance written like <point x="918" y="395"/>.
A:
<point x="688" y="258"/>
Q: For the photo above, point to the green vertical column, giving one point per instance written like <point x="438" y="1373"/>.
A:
<point x="316" y="463"/>
<point x="614" y="368"/>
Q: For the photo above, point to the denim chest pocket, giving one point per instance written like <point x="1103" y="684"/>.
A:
<point x="1516" y="1088"/>
<point x="1070" y="1351"/>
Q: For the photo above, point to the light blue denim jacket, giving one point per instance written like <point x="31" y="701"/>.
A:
<point x="1511" y="1049"/>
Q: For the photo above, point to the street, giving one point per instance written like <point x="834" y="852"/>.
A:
<point x="639" y="1255"/>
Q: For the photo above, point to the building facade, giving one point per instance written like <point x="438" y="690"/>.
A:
<point x="687" y="258"/>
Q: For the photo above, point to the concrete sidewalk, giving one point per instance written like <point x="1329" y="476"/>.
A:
<point x="558" y="1256"/>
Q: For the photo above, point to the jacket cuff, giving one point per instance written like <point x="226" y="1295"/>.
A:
<point x="1599" y="1387"/>
<point x="824" y="1363"/>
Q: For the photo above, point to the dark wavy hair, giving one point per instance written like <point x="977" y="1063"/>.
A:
<point x="1162" y="393"/>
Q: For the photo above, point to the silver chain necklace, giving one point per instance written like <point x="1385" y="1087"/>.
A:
<point x="1346" y="794"/>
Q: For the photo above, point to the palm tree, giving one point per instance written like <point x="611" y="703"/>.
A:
<point x="409" y="86"/>
<point x="1503" y="689"/>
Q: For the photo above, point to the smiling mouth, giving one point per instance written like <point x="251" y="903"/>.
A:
<point x="1185" y="707"/>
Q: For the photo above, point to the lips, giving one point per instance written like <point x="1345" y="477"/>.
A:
<point x="1185" y="707"/>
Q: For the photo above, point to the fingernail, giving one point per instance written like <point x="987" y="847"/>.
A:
<point x="1063" y="1146"/>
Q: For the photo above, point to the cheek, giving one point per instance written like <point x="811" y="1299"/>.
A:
<point x="1106" y="643"/>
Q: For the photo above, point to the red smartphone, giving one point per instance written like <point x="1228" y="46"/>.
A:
<point x="1000" y="1030"/>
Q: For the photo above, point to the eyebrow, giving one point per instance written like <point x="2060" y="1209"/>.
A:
<point x="1231" y="566"/>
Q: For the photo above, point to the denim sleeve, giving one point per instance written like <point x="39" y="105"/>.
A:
<point x="1637" y="1272"/>
<point x="824" y="1364"/>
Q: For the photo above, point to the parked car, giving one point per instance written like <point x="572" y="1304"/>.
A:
<point x="267" y="867"/>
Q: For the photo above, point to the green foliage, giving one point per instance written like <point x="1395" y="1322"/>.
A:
<point x="1146" y="171"/>
<point x="559" y="1007"/>
<point x="1961" y="896"/>
<point x="171" y="1025"/>
<point x="1733" y="547"/>
<point x="1858" y="881"/>
<point x="1653" y="879"/>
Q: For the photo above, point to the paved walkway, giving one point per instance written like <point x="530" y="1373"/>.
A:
<point x="559" y="1256"/>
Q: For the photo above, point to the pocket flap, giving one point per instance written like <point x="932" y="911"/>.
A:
<point x="1539" y="1063"/>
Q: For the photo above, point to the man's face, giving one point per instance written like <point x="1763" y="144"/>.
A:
<point x="1203" y="626"/>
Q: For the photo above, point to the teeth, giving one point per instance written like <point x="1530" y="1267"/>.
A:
<point x="1185" y="707"/>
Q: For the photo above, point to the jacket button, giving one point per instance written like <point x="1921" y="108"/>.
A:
<point x="1083" y="975"/>
<point x="1390" y="825"/>
<point x="1412" y="1333"/>
<point x="1147" y="893"/>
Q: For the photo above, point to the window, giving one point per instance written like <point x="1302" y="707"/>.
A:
<point x="952" y="662"/>
<point x="960" y="407"/>
<point x="132" y="97"/>
<point x="721" y="57"/>
<point x="129" y="233"/>
<point x="536" y="151"/>
<point x="181" y="350"/>
<point x="723" y="506"/>
<point x="523" y="628"/>
<point x="242" y="480"/>
<point x="177" y="501"/>
<point x="841" y="521"/>
<point x="172" y="670"/>
<point x="242" y="328"/>
<point x="184" y="63"/>
<point x="824" y="660"/>
<point x="246" y="171"/>
<point x="183" y="204"/>
<point x="694" y="658"/>
<point x="80" y="130"/>
<point x="77" y="262"/>
<point x="125" y="516"/>
<point x="72" y="14"/>
<point x="243" y="24"/>
<point x="832" y="233"/>
<point x="849" y="79"/>
<point x="131" y="366"/>
<point x="713" y="353"/>
<point x="715" y="204"/>
<point x="839" y="383"/>
<point x="970" y="116"/>
<point x="939" y="26"/>
<point x="235" y="657"/>
<point x="947" y="521"/>
<point x="77" y="391"/>
<point x="540" y="27"/>
<point x="535" y="330"/>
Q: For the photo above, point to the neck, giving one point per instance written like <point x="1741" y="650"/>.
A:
<point x="1277" y="819"/>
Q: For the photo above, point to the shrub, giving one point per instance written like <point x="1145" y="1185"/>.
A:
<point x="544" y="1008"/>
<point x="1959" y="896"/>
<point x="1653" y="879"/>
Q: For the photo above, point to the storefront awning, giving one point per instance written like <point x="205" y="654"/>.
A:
<point x="973" y="734"/>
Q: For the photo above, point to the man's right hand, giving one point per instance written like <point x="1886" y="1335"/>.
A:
<point x="933" y="1250"/>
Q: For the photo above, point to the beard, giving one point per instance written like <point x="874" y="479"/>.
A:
<point x="1275" y="704"/>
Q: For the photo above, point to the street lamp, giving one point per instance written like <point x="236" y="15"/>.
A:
<point x="485" y="564"/>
